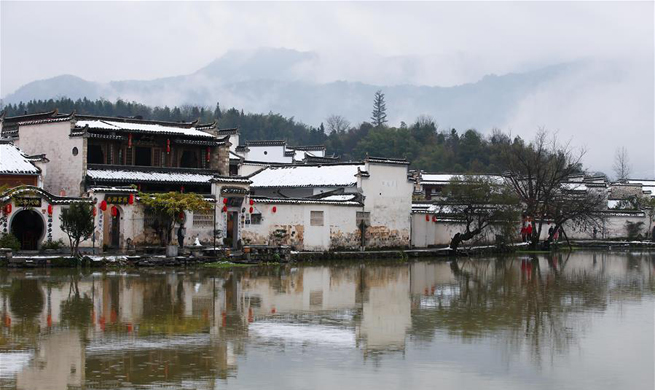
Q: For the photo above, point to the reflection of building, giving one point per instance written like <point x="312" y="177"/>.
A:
<point x="386" y="310"/>
<point x="59" y="363"/>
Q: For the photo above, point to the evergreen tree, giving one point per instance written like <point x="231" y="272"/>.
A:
<point x="379" y="115"/>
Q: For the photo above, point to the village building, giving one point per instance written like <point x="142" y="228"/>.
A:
<point x="327" y="206"/>
<point x="28" y="211"/>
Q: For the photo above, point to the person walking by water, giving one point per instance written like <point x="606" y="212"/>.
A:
<point x="181" y="232"/>
<point x="528" y="232"/>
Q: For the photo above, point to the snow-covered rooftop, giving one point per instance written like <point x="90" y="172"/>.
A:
<point x="308" y="176"/>
<point x="147" y="176"/>
<point x="446" y="177"/>
<point x="340" y="197"/>
<point x="108" y="125"/>
<point x="13" y="161"/>
<point x="646" y="185"/>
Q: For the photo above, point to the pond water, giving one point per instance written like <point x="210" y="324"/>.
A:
<point x="578" y="321"/>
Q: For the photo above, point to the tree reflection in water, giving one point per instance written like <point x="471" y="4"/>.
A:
<point x="195" y="326"/>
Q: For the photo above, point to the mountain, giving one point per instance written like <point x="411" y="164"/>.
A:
<point x="284" y="81"/>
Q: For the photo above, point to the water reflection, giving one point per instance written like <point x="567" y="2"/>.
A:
<point x="199" y="329"/>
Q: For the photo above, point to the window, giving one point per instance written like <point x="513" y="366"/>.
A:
<point x="143" y="157"/>
<point x="316" y="218"/>
<point x="316" y="298"/>
<point x="157" y="157"/>
<point x="75" y="151"/>
<point x="203" y="218"/>
<point x="95" y="155"/>
<point x="364" y="216"/>
<point x="256" y="219"/>
<point x="189" y="159"/>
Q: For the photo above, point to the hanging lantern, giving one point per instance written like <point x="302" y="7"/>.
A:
<point x="95" y="211"/>
<point x="181" y="216"/>
<point x="130" y="199"/>
<point x="434" y="218"/>
<point x="251" y="209"/>
<point x="168" y="146"/>
<point x="103" y="205"/>
<point x="181" y="188"/>
<point x="49" y="209"/>
<point x="224" y="200"/>
<point x="114" y="211"/>
<point x="274" y="209"/>
<point x="252" y="202"/>
<point x="8" y="208"/>
<point x="224" y="208"/>
<point x="129" y="140"/>
<point x="208" y="153"/>
<point x="427" y="217"/>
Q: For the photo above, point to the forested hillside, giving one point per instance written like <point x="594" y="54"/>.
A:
<point x="421" y="142"/>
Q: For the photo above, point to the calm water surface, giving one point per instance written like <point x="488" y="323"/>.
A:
<point x="583" y="321"/>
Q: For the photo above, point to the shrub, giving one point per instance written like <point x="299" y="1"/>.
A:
<point x="53" y="244"/>
<point x="9" y="241"/>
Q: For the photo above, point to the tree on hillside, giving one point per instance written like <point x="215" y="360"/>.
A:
<point x="622" y="166"/>
<point x="337" y="123"/>
<point x="379" y="115"/>
<point x="540" y="171"/>
<point x="481" y="203"/>
<point x="77" y="223"/>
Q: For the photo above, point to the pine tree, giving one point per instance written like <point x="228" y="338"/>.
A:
<point x="379" y="115"/>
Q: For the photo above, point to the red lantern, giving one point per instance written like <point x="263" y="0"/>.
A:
<point x="129" y="140"/>
<point x="224" y="200"/>
<point x="224" y="208"/>
<point x="181" y="215"/>
<point x="252" y="202"/>
<point x="49" y="209"/>
<point x="103" y="205"/>
<point x="8" y="208"/>
<point x="434" y="218"/>
<point x="168" y="146"/>
<point x="274" y="209"/>
<point x="95" y="211"/>
<point x="208" y="153"/>
<point x="182" y="189"/>
<point x="251" y="210"/>
<point x="130" y="199"/>
<point x="114" y="211"/>
<point x="427" y="217"/>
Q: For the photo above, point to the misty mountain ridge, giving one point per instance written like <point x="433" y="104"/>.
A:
<point x="284" y="81"/>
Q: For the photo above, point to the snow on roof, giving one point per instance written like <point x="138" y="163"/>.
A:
<point x="574" y="186"/>
<point x="340" y="197"/>
<point x="13" y="161"/>
<point x="102" y="124"/>
<point x="646" y="185"/>
<point x="308" y="176"/>
<point x="147" y="176"/>
<point x="446" y="177"/>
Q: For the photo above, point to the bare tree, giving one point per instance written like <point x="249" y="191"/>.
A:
<point x="479" y="202"/>
<point x="622" y="166"/>
<point x="337" y="123"/>
<point x="540" y="172"/>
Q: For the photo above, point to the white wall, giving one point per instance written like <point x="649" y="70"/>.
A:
<point x="272" y="153"/>
<point x="291" y="223"/>
<point x="65" y="171"/>
<point x="388" y="197"/>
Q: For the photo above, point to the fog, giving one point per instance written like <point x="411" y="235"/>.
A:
<point x="608" y="104"/>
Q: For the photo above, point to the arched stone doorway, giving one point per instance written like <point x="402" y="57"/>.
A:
<point x="28" y="227"/>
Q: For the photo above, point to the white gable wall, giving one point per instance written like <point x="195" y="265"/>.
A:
<point x="270" y="153"/>
<point x="66" y="171"/>
<point x="388" y="197"/>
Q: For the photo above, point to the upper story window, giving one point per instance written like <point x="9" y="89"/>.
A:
<point x="143" y="156"/>
<point x="95" y="155"/>
<point x="189" y="159"/>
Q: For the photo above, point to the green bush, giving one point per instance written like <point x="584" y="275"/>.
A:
<point x="9" y="241"/>
<point x="53" y="244"/>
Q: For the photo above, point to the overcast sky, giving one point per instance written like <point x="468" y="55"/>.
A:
<point x="455" y="42"/>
